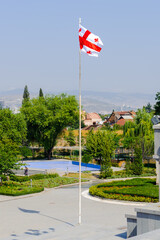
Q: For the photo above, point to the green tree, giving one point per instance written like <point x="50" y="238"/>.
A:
<point x="25" y="152"/>
<point x="101" y="143"/>
<point x="139" y="132"/>
<point x="41" y="93"/>
<point x="86" y="158"/>
<point x="70" y="138"/>
<point x="12" y="134"/>
<point x="107" y="152"/>
<point x="157" y="105"/>
<point x="129" y="136"/>
<point x="144" y="132"/>
<point x="137" y="165"/>
<point x="47" y="117"/>
<point x="26" y="95"/>
<point x="76" y="124"/>
<point x="148" y="108"/>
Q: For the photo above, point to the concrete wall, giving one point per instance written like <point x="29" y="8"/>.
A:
<point x="156" y="155"/>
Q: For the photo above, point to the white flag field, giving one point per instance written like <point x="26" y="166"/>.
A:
<point x="89" y="42"/>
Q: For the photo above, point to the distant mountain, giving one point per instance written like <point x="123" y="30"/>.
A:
<point x="11" y="92"/>
<point x="92" y="101"/>
<point x="105" y="102"/>
<point x="133" y="100"/>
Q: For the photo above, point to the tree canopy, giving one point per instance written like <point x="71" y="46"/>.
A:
<point x="47" y="117"/>
<point x="140" y="132"/>
<point x="12" y="134"/>
<point x="157" y="105"/>
<point x="101" y="143"/>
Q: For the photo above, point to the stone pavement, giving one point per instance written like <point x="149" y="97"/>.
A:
<point x="53" y="215"/>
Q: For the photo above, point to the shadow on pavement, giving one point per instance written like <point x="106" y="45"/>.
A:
<point x="28" y="211"/>
<point x="35" y="232"/>
<point x="122" y="235"/>
<point x="38" y="212"/>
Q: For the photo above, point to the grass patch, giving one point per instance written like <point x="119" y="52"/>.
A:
<point x="54" y="182"/>
<point x="139" y="190"/>
<point x="83" y="175"/>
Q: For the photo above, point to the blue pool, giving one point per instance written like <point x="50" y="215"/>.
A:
<point x="70" y="166"/>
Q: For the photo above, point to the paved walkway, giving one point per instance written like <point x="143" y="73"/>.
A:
<point x="53" y="215"/>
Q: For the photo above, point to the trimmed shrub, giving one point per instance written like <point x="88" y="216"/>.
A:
<point x="33" y="177"/>
<point x="17" y="191"/>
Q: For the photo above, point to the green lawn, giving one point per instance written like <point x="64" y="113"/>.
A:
<point x="22" y="185"/>
<point x="140" y="190"/>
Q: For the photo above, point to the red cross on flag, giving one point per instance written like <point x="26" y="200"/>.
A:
<point x="89" y="43"/>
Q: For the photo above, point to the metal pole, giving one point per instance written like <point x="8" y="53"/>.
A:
<point x="79" y="132"/>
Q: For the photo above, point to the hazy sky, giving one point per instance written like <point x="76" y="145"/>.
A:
<point x="39" y="45"/>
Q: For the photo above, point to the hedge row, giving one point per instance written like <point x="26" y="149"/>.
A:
<point x="33" y="177"/>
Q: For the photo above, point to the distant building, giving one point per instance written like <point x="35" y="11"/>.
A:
<point x="92" y="119"/>
<point x="120" y="117"/>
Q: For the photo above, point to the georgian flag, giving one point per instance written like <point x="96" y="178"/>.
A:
<point x="89" y="43"/>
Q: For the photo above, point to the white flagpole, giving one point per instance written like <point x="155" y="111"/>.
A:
<point x="80" y="151"/>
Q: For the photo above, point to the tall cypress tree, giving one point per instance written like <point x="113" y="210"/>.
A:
<point x="137" y="165"/>
<point x="26" y="95"/>
<point x="40" y="93"/>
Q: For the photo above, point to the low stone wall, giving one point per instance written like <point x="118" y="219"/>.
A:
<point x="145" y="220"/>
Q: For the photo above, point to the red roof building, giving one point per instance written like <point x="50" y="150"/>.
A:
<point x="121" y="117"/>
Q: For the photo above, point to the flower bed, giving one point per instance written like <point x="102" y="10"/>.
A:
<point x="139" y="190"/>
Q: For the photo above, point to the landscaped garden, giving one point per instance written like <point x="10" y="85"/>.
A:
<point x="138" y="189"/>
<point x="21" y="185"/>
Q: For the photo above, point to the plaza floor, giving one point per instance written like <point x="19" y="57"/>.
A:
<point x="53" y="215"/>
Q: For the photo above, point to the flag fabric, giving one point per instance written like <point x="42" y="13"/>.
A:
<point x="89" y="42"/>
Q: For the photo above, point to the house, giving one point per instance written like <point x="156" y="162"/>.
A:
<point x="121" y="117"/>
<point x="92" y="118"/>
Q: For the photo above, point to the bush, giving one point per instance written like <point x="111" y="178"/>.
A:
<point x="43" y="176"/>
<point x="106" y="171"/>
<point x="33" y="177"/>
<point x="19" y="178"/>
